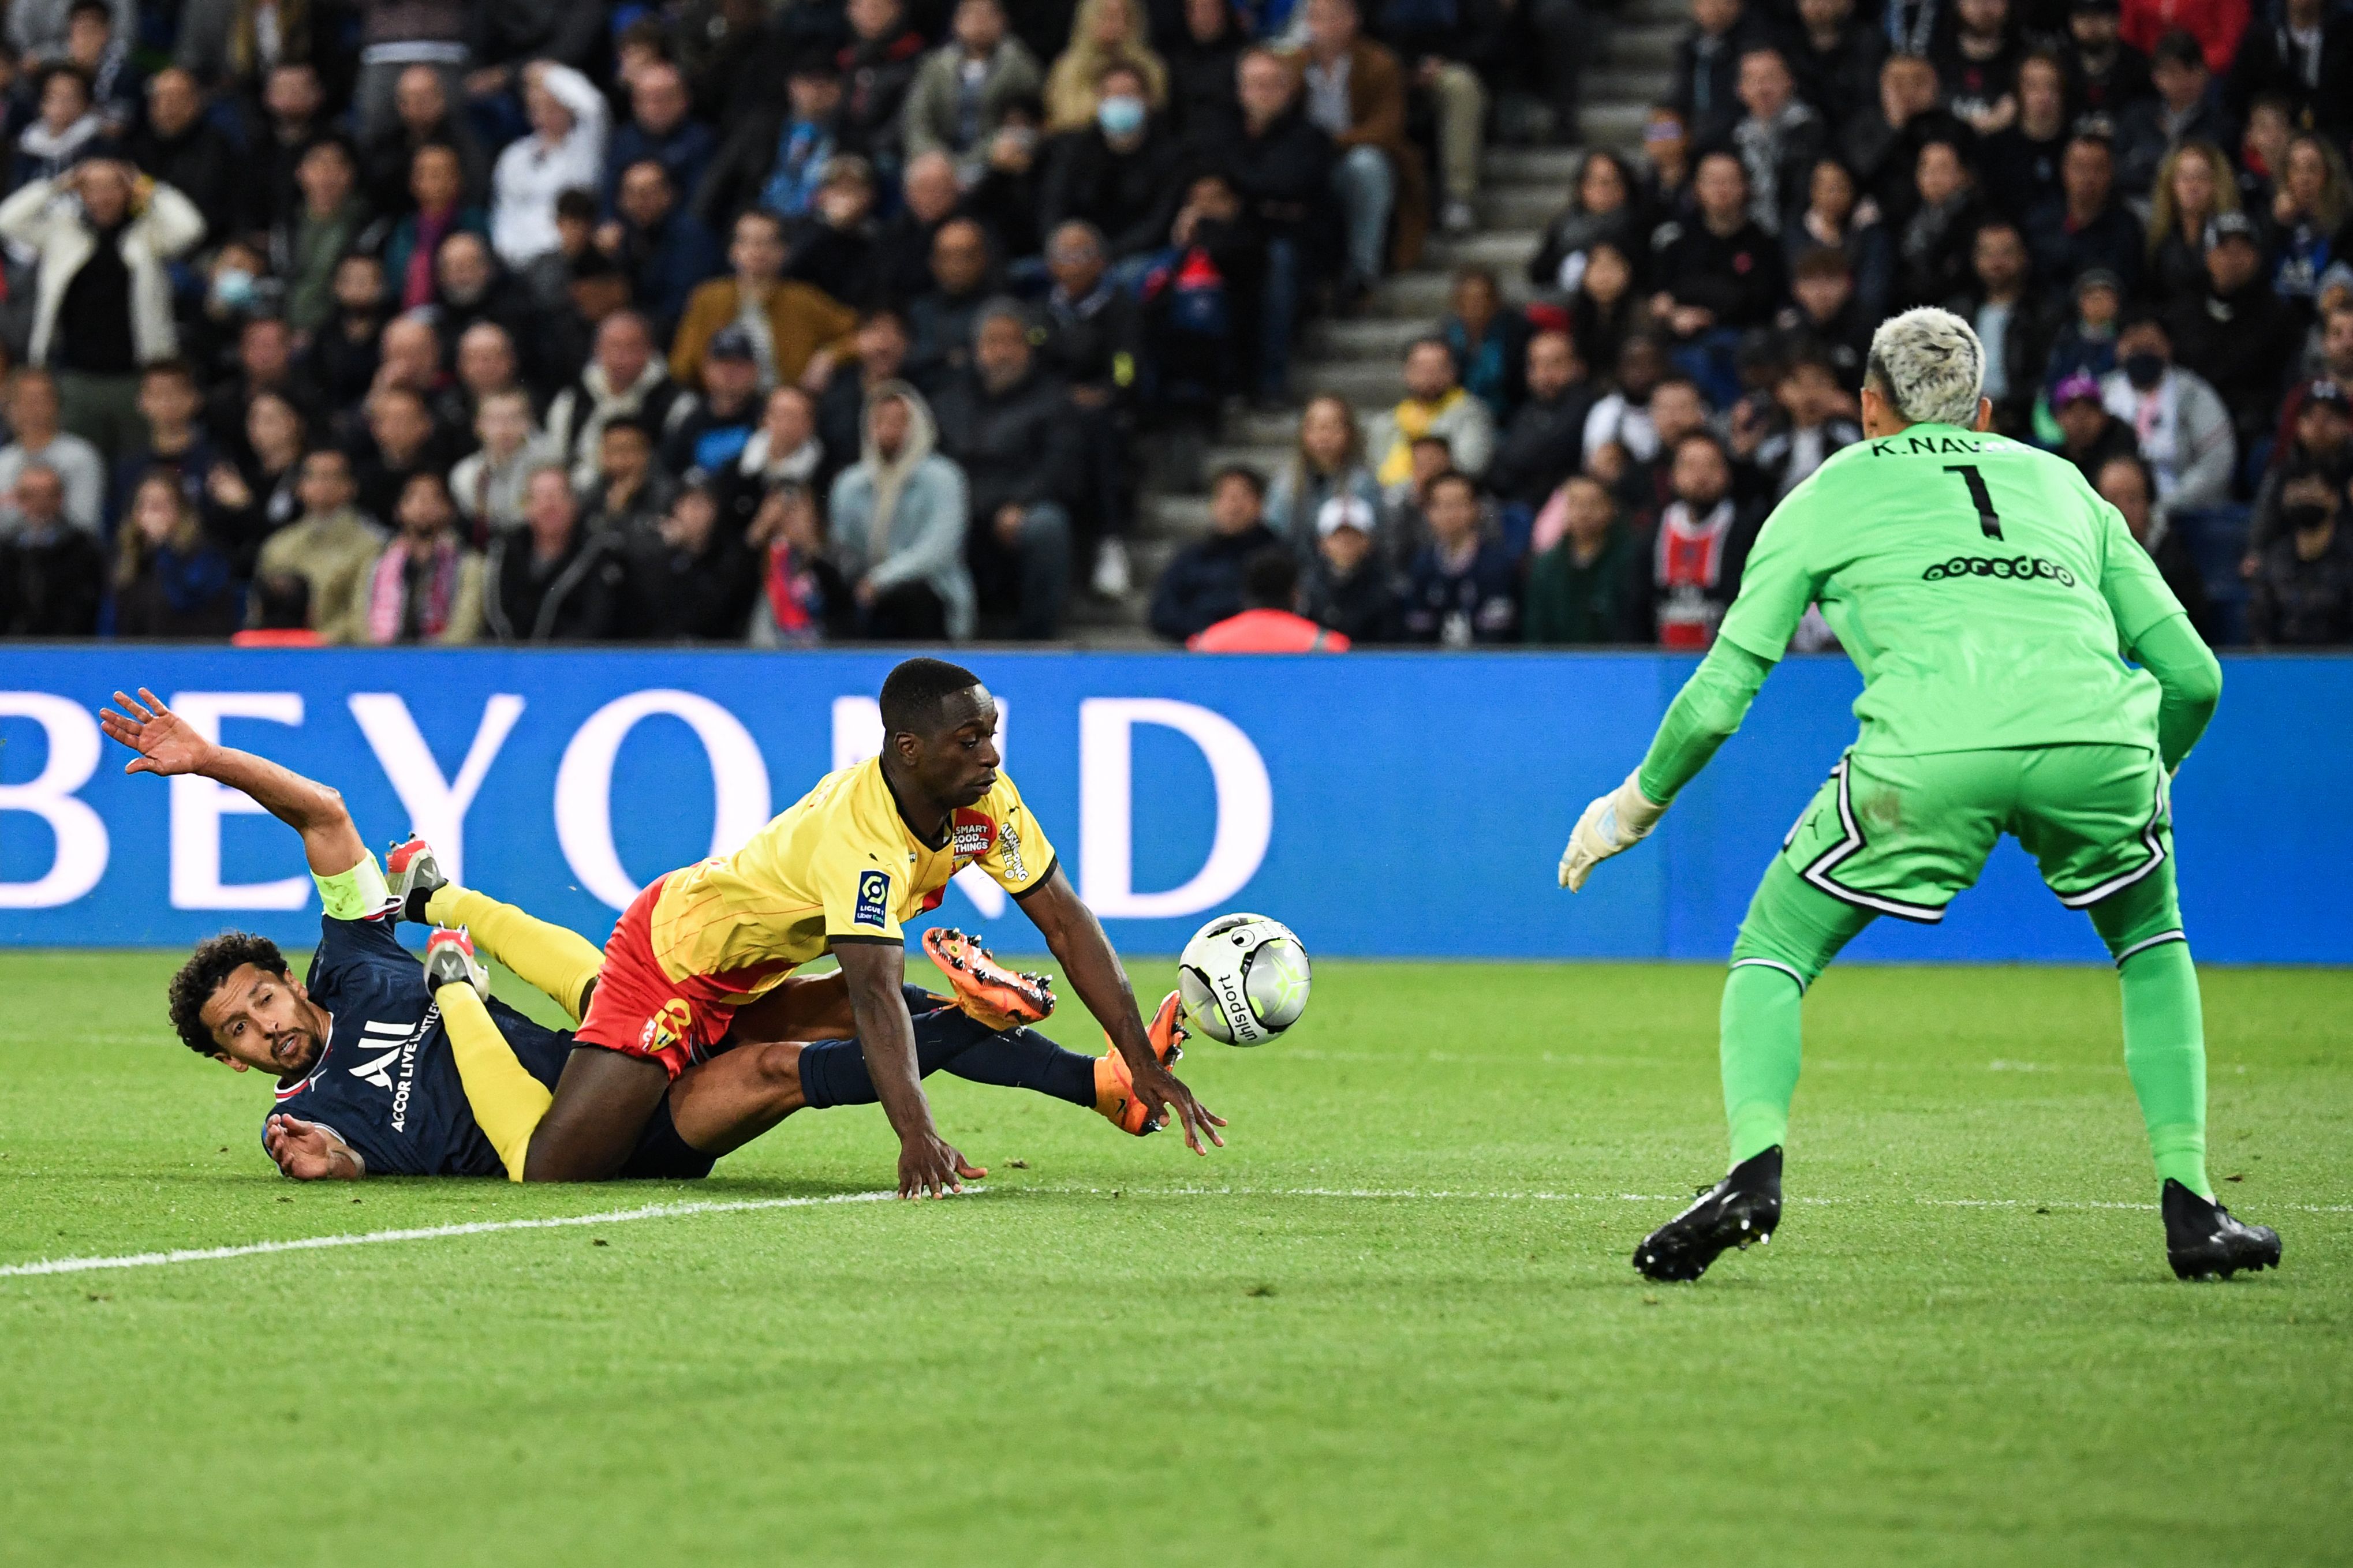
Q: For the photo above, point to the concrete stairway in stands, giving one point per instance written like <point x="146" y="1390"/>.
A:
<point x="1358" y="358"/>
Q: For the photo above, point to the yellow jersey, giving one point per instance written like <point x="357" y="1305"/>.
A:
<point x="840" y="863"/>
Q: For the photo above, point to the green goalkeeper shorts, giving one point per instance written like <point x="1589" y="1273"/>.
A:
<point x="1900" y="836"/>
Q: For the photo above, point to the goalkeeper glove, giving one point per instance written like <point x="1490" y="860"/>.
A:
<point x="1615" y="822"/>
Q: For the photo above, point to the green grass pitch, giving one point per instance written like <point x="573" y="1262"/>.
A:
<point x="1393" y="1323"/>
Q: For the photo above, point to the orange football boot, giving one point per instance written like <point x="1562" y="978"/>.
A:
<point x="993" y="994"/>
<point x="1115" y="1085"/>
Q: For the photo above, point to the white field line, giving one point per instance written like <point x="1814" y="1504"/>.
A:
<point x="672" y="1211"/>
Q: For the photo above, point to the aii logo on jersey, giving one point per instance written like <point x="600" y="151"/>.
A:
<point x="873" y="908"/>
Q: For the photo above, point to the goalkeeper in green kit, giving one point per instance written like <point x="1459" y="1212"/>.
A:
<point x="1990" y="599"/>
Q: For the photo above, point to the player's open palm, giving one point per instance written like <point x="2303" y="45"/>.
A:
<point x="167" y="743"/>
<point x="1163" y="1091"/>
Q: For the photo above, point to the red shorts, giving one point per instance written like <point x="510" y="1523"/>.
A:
<point x="639" y="1011"/>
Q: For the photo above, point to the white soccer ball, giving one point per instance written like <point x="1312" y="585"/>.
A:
<point x="1243" y="979"/>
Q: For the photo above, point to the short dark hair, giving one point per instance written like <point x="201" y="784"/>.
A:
<point x="281" y="602"/>
<point x="1822" y="262"/>
<point x="104" y="12"/>
<point x="2178" y="48"/>
<point x="577" y="204"/>
<point x="177" y="369"/>
<point x="1454" y="477"/>
<point x="1242" y="471"/>
<point x="1271" y="580"/>
<point x="215" y="959"/>
<point x="913" y="693"/>
<point x="628" y="424"/>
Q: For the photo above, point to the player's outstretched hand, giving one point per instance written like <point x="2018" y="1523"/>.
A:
<point x="929" y="1167"/>
<point x="1162" y="1092"/>
<point x="306" y="1150"/>
<point x="167" y="743"/>
<point x="1614" y="822"/>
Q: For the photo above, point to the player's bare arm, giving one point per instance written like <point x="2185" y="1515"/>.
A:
<point x="169" y="746"/>
<point x="1076" y="939"/>
<point x="928" y="1166"/>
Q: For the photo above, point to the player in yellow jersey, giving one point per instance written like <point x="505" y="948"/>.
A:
<point x="870" y="847"/>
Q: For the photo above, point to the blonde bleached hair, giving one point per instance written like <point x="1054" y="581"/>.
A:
<point x="1930" y="365"/>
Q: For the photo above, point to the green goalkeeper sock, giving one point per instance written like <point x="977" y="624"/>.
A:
<point x="2165" y="1052"/>
<point x="1761" y="1048"/>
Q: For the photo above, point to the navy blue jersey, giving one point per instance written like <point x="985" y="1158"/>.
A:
<point x="386" y="1084"/>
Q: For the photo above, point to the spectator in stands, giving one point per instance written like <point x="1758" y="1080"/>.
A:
<point x="1329" y="460"/>
<point x="1826" y="317"/>
<point x="2302" y="593"/>
<point x="709" y="431"/>
<point x="1459" y="587"/>
<point x="103" y="303"/>
<point x="1103" y="32"/>
<point x="564" y="151"/>
<point x="1120" y="175"/>
<point x="65" y="130"/>
<point x="1093" y="342"/>
<point x="1603" y="209"/>
<point x="929" y="196"/>
<point x="1404" y="511"/>
<point x="1778" y="138"/>
<point x="786" y="449"/>
<point x="33" y="408"/>
<point x="1719" y="275"/>
<point x="1201" y="59"/>
<point x="2236" y="332"/>
<point x="1977" y="64"/>
<point x="1667" y="149"/>
<point x="1882" y="146"/>
<point x="2183" y="429"/>
<point x="2214" y="25"/>
<point x="802" y="598"/>
<point x="175" y="441"/>
<point x="2020" y="163"/>
<point x="1349" y="587"/>
<point x="1646" y="486"/>
<point x="179" y="147"/>
<point x="2186" y="107"/>
<point x="796" y="333"/>
<point x="1268" y="622"/>
<point x="1279" y="164"/>
<point x="2125" y="482"/>
<point x="2011" y="321"/>
<point x="98" y="40"/>
<point x="2087" y="343"/>
<point x="1813" y="417"/>
<point x="625" y="379"/>
<point x="1622" y="417"/>
<point x="553" y="580"/>
<point x="440" y="210"/>
<point x="1698" y="548"/>
<point x="773" y="157"/>
<point x="402" y="443"/>
<point x="1447" y="49"/>
<point x="2311" y="214"/>
<point x="2320" y="437"/>
<point x="1706" y="90"/>
<point x="1435" y="404"/>
<point x="330" y="546"/>
<point x="1008" y="429"/>
<point x="488" y="484"/>
<point x="426" y="586"/>
<point x="422" y="117"/>
<point x="1606" y="311"/>
<point x="630" y="489"/>
<point x="900" y="515"/>
<point x="315" y="234"/>
<point x="881" y="356"/>
<point x="1836" y="61"/>
<point x="278" y="609"/>
<point x="51" y="572"/>
<point x="1543" y="444"/>
<point x="834" y="251"/>
<point x="1004" y="197"/>
<point x="1356" y="95"/>
<point x="878" y="65"/>
<point x="1581" y="588"/>
<point x="661" y="127"/>
<point x="1835" y="220"/>
<point x="690" y="581"/>
<point x="2303" y="55"/>
<point x="252" y="496"/>
<point x="1488" y="342"/>
<point x="962" y="88"/>
<point x="2103" y="74"/>
<point x="939" y="321"/>
<point x="170" y="581"/>
<point x="660" y="248"/>
<point x="2194" y="187"/>
<point x="2089" y="435"/>
<point x="1203" y="582"/>
<point x="2088" y="228"/>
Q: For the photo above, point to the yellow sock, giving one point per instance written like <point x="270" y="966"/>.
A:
<point x="550" y="959"/>
<point x="508" y="1102"/>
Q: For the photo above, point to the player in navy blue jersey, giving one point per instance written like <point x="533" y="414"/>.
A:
<point x="387" y="1066"/>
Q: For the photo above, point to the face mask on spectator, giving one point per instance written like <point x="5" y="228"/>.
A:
<point x="1120" y="116"/>
<point x="232" y="288"/>
<point x="2144" y="370"/>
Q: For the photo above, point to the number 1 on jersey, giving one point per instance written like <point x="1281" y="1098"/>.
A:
<point x="1988" y="519"/>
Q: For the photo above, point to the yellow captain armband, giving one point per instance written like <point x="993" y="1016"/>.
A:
<point x="1122" y="369"/>
<point x="355" y="894"/>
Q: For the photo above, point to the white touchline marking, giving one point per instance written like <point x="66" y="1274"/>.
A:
<point x="742" y="1205"/>
<point x="433" y="1233"/>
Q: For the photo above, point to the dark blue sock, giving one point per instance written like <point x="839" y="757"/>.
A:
<point x="1024" y="1059"/>
<point x="833" y="1072"/>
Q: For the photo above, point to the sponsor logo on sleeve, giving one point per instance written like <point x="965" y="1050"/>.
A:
<point x="1010" y="837"/>
<point x="874" y="907"/>
<point x="975" y="836"/>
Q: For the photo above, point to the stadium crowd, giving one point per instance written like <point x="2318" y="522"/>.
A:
<point x="384" y="321"/>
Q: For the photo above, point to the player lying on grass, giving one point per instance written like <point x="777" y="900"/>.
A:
<point x="1985" y="591"/>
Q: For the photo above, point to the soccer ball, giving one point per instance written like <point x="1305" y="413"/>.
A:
<point x="1243" y="979"/>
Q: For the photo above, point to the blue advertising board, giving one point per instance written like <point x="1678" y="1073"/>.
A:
<point x="1382" y="804"/>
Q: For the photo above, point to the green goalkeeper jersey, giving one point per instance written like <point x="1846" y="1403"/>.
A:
<point x="1983" y="588"/>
